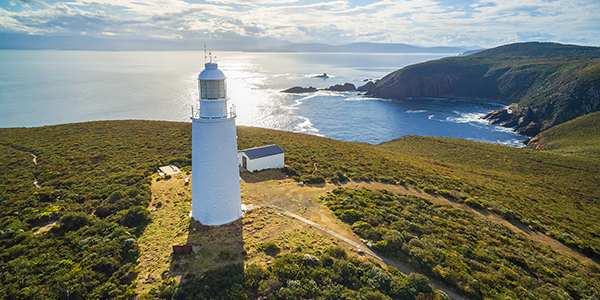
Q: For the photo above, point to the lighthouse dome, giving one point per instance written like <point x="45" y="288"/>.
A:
<point x="211" y="72"/>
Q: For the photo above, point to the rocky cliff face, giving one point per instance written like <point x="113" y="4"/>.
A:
<point x="446" y="79"/>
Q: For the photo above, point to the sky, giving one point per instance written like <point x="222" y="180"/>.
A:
<point x="467" y="23"/>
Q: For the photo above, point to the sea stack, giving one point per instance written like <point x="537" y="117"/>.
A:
<point x="216" y="195"/>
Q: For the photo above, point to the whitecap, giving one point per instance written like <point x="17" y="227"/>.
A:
<point x="467" y="118"/>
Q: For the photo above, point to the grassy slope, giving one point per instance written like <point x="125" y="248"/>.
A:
<point x="86" y="163"/>
<point x="552" y="193"/>
<point x="580" y="137"/>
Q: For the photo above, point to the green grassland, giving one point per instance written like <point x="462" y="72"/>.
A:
<point x="95" y="178"/>
<point x="580" y="137"/>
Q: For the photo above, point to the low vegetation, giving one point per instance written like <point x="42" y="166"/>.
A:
<point x="550" y="193"/>
<point x="482" y="259"/>
<point x="329" y="275"/>
<point x="283" y="259"/>
<point x="94" y="178"/>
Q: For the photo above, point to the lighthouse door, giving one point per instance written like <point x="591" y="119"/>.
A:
<point x="244" y="162"/>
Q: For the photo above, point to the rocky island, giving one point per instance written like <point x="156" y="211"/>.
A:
<point x="300" y="90"/>
<point x="346" y="87"/>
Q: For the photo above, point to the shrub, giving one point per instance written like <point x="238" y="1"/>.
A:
<point x="136" y="216"/>
<point x="269" y="248"/>
<point x="428" y="190"/>
<point x="74" y="220"/>
<point x="336" y="252"/>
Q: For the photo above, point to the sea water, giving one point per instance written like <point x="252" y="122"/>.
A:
<point x="39" y="88"/>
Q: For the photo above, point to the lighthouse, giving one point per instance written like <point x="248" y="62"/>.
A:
<point x="216" y="196"/>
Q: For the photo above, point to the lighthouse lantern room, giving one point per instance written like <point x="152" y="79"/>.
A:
<point x="216" y="197"/>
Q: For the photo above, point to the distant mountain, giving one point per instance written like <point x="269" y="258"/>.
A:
<point x="547" y="83"/>
<point x="364" y="48"/>
<point x="40" y="42"/>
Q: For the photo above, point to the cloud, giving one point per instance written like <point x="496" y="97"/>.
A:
<point x="421" y="22"/>
<point x="253" y="2"/>
<point x="28" y="3"/>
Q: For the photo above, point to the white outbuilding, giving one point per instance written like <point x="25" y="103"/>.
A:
<point x="262" y="158"/>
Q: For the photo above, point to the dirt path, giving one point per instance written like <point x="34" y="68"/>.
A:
<point x="47" y="227"/>
<point x="276" y="192"/>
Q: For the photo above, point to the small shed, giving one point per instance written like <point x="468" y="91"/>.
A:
<point x="169" y="170"/>
<point x="262" y="158"/>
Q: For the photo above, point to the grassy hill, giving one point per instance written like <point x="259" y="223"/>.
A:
<point x="580" y="137"/>
<point x="95" y="179"/>
<point x="551" y="193"/>
<point x="552" y="83"/>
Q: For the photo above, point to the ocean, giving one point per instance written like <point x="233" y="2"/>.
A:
<point x="46" y="87"/>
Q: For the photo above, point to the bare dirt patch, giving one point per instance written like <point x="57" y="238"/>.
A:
<point x="169" y="226"/>
<point x="216" y="246"/>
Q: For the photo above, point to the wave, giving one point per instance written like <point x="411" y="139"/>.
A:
<point x="306" y="126"/>
<point x="299" y="101"/>
<point x="470" y="118"/>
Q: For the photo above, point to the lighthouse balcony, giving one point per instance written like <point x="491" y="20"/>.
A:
<point x="197" y="113"/>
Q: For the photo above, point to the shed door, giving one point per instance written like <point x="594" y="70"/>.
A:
<point x="244" y="162"/>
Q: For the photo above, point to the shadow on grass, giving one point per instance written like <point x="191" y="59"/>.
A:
<point x="264" y="175"/>
<point x="215" y="267"/>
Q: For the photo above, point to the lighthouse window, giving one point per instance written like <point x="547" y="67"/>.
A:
<point x="212" y="89"/>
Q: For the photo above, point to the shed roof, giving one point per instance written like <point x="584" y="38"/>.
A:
<point x="263" y="151"/>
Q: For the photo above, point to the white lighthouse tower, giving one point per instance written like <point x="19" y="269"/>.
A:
<point x="216" y="196"/>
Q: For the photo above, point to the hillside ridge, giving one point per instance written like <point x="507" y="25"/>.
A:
<point x="546" y="84"/>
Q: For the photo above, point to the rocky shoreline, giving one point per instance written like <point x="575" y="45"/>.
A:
<point x="522" y="119"/>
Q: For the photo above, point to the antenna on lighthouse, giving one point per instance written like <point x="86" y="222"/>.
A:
<point x="209" y="55"/>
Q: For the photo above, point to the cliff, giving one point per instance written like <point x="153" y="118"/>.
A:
<point x="547" y="83"/>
